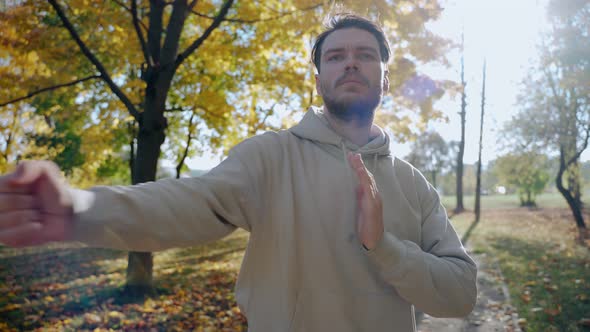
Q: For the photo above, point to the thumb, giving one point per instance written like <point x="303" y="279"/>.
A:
<point x="26" y="173"/>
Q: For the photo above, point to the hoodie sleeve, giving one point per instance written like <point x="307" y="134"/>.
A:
<point x="175" y="212"/>
<point x="437" y="276"/>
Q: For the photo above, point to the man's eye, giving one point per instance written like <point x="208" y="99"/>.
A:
<point x="335" y="57"/>
<point x="366" y="56"/>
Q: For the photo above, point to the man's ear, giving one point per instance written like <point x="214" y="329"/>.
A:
<point x="318" y="87"/>
<point x="386" y="81"/>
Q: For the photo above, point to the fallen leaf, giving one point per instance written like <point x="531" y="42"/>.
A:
<point x="553" y="312"/>
<point x="92" y="319"/>
<point x="116" y="316"/>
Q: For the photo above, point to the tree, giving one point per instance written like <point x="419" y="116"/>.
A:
<point x="555" y="114"/>
<point x="527" y="171"/>
<point x="430" y="154"/>
<point x="139" y="64"/>
<point x="459" y="164"/>
<point x="477" y="207"/>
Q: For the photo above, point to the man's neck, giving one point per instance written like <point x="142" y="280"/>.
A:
<point x="354" y="131"/>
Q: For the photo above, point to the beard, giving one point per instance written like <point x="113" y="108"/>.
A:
<point x="361" y="109"/>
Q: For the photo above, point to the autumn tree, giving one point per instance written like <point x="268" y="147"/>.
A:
<point x="430" y="153"/>
<point x="527" y="171"/>
<point x="220" y="70"/>
<point x="555" y="102"/>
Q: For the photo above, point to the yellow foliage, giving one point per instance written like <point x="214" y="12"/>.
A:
<point x="251" y="74"/>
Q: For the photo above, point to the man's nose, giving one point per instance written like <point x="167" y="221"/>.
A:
<point x="351" y="63"/>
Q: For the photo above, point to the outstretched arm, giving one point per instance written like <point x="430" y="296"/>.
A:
<point x="146" y="217"/>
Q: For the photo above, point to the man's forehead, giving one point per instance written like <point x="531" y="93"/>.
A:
<point x="352" y="38"/>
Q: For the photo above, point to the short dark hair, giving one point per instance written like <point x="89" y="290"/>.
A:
<point x="345" y="21"/>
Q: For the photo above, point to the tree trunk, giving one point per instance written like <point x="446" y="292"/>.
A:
<point x="478" y="179"/>
<point x="573" y="181"/>
<point x="140" y="264"/>
<point x="459" y="167"/>
<point x="150" y="137"/>
<point x="569" y="196"/>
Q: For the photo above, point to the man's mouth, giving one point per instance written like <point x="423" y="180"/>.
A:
<point x="355" y="82"/>
<point x="352" y="80"/>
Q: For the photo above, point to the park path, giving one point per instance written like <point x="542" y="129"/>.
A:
<point x="493" y="311"/>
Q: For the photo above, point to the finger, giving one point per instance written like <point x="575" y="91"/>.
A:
<point x="9" y="202"/>
<point x="28" y="172"/>
<point x="361" y="171"/>
<point x="13" y="219"/>
<point x="355" y="160"/>
<point x="7" y="187"/>
<point x="22" y="235"/>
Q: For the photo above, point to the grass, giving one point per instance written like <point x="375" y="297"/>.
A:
<point x="546" y="271"/>
<point x="546" y="200"/>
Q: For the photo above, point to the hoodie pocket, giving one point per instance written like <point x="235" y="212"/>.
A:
<point x="320" y="310"/>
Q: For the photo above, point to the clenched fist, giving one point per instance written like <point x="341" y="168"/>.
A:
<point x="35" y="205"/>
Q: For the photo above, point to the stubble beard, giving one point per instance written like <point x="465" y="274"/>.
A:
<point x="361" y="110"/>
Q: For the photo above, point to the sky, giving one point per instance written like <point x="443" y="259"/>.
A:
<point x="504" y="32"/>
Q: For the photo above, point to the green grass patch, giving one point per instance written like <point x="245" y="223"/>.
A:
<point x="545" y="269"/>
<point x="545" y="200"/>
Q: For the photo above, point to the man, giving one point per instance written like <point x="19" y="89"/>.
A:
<point x="343" y="236"/>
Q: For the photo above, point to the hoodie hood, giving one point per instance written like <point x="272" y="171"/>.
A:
<point x="315" y="127"/>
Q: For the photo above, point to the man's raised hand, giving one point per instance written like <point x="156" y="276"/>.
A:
<point x="370" y="219"/>
<point x="35" y="205"/>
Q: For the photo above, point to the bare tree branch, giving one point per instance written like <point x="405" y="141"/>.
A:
<point x="268" y="113"/>
<point x="36" y="92"/>
<point x="130" y="10"/>
<point x="139" y="33"/>
<point x="216" y="22"/>
<point x="189" y="137"/>
<point x="103" y="72"/>
<point x="579" y="152"/>
<point x="203" y="108"/>
<point x="239" y="20"/>
<point x="155" y="30"/>
<point x="132" y="130"/>
<point x="173" y="32"/>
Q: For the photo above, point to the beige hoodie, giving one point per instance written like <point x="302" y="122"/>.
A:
<point x="304" y="267"/>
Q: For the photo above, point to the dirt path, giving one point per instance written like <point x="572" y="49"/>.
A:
<point x="493" y="312"/>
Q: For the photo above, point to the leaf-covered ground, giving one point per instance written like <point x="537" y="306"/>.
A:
<point x="62" y="287"/>
<point x="547" y="272"/>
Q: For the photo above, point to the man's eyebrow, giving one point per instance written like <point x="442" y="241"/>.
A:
<point x="359" y="48"/>
<point x="334" y="50"/>
<point x="367" y="48"/>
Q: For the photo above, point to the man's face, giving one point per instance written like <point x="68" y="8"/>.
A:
<point x="352" y="78"/>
